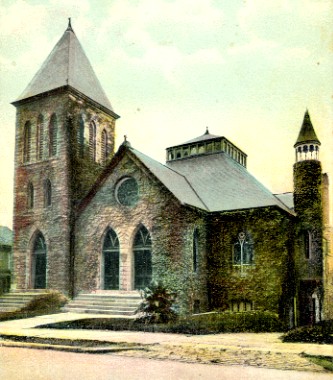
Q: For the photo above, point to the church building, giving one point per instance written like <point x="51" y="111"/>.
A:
<point x="88" y="219"/>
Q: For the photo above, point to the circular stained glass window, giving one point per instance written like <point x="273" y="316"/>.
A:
<point x="127" y="191"/>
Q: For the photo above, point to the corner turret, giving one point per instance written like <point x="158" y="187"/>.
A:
<point x="307" y="144"/>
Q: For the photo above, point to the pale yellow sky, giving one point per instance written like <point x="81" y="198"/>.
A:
<point x="246" y="69"/>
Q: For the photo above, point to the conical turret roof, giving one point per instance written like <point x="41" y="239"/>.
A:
<point x="67" y="65"/>
<point x="307" y="133"/>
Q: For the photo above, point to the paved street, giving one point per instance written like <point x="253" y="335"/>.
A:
<point x="259" y="351"/>
<point x="26" y="364"/>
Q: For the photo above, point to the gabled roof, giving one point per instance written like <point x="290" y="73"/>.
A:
<point x="67" y="65"/>
<point x="175" y="182"/>
<point x="212" y="182"/>
<point x="223" y="184"/>
<point x="6" y="236"/>
<point x="307" y="133"/>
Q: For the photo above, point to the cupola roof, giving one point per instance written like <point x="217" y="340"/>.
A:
<point x="205" y="136"/>
<point x="307" y="133"/>
<point x="67" y="65"/>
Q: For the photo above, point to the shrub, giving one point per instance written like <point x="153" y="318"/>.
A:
<point x="322" y="332"/>
<point x="157" y="303"/>
<point x="51" y="301"/>
<point x="208" y="323"/>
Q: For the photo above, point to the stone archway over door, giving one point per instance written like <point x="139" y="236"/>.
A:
<point x="110" y="280"/>
<point x="39" y="263"/>
<point x="142" y="259"/>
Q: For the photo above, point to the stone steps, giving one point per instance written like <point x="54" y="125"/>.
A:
<point x="112" y="303"/>
<point x="17" y="299"/>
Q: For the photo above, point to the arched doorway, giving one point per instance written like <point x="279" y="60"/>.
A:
<point x="39" y="263"/>
<point x="110" y="264"/>
<point x="142" y="258"/>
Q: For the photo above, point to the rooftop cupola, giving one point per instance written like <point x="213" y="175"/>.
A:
<point x="204" y="145"/>
<point x="307" y="144"/>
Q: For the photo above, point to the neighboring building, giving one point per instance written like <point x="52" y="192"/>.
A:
<point x="6" y="242"/>
<point x="87" y="219"/>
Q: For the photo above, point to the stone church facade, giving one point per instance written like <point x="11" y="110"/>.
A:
<point x="87" y="218"/>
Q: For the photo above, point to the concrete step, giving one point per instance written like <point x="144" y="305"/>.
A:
<point x="98" y="311"/>
<point x="15" y="300"/>
<point x="110" y="302"/>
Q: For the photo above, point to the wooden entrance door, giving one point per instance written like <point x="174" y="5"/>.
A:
<point x="39" y="263"/>
<point x="111" y="261"/>
<point x="142" y="259"/>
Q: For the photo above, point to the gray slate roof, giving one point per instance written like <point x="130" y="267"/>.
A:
<point x="173" y="181"/>
<point x="223" y="184"/>
<point x="67" y="64"/>
<point x="213" y="182"/>
<point x="6" y="236"/>
<point x="287" y="199"/>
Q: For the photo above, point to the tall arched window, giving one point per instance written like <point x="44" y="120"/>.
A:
<point x="39" y="137"/>
<point x="110" y="261"/>
<point x="80" y="137"/>
<point x="27" y="142"/>
<point x="39" y="263"/>
<point x="243" y="250"/>
<point x="92" y="140"/>
<point x="47" y="193"/>
<point x="30" y="195"/>
<point x="53" y="134"/>
<point x="104" y="146"/>
<point x="142" y="258"/>
<point x="195" y="250"/>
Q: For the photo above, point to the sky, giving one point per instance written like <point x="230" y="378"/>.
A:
<point x="247" y="70"/>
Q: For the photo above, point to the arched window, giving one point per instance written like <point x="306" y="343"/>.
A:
<point x="80" y="137"/>
<point x="39" y="263"/>
<point x="104" y="146"/>
<point x="243" y="250"/>
<point x="47" y="193"/>
<point x="92" y="140"/>
<point x="53" y="134"/>
<point x="39" y="137"/>
<point x="30" y="194"/>
<point x="195" y="250"/>
<point x="110" y="261"/>
<point x="142" y="258"/>
<point x="27" y="142"/>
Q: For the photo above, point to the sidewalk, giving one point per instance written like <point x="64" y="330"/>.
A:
<point x="259" y="349"/>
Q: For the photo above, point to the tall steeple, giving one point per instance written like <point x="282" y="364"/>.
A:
<point x="307" y="144"/>
<point x="65" y="134"/>
<point x="67" y="65"/>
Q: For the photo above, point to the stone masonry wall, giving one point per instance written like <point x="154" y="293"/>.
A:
<point x="171" y="228"/>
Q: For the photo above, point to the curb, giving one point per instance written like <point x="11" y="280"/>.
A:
<point x="66" y="348"/>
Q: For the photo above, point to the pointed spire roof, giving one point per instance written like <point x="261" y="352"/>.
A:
<point x="67" y="65"/>
<point x="307" y="133"/>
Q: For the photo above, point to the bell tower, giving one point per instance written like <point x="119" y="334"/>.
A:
<point x="65" y="131"/>
<point x="308" y="208"/>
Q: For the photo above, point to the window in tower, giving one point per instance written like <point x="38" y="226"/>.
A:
<point x="195" y="250"/>
<point x="47" y="193"/>
<point x="307" y="236"/>
<point x="30" y="194"/>
<point x="104" y="146"/>
<point x="80" y="137"/>
<point x="92" y="140"/>
<point x="27" y="142"/>
<point x="39" y="138"/>
<point x="53" y="132"/>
